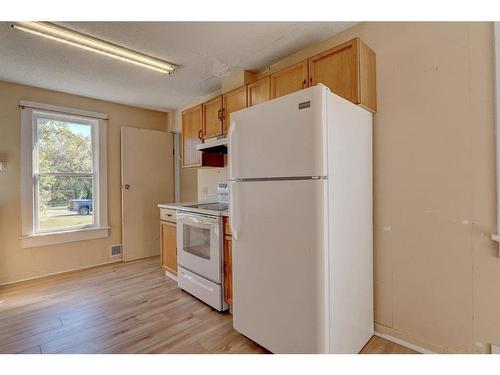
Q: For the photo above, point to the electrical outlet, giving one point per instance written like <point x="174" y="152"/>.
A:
<point x="495" y="349"/>
<point x="204" y="190"/>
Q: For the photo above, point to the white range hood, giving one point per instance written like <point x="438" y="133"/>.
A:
<point x="216" y="144"/>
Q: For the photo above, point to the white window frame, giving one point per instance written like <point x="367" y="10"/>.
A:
<point x="32" y="236"/>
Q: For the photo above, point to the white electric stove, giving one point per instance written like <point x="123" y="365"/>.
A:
<point x="200" y="249"/>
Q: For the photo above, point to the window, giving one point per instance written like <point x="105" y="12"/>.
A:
<point x="64" y="175"/>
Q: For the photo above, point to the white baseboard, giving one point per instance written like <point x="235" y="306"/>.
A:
<point x="171" y="276"/>
<point x="404" y="343"/>
<point x="61" y="272"/>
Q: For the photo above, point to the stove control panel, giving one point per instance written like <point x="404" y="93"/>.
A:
<point x="223" y="192"/>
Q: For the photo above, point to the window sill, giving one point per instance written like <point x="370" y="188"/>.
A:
<point x="54" y="238"/>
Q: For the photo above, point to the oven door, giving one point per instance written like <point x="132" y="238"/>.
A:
<point x="199" y="244"/>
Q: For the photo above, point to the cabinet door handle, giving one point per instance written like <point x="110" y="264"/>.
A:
<point x="219" y="114"/>
<point x="304" y="83"/>
<point x="200" y="134"/>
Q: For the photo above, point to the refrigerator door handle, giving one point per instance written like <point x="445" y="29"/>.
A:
<point x="232" y="219"/>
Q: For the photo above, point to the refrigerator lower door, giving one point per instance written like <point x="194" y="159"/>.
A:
<point x="278" y="264"/>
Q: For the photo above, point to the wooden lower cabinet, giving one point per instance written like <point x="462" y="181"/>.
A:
<point x="228" y="263"/>
<point x="228" y="270"/>
<point x="168" y="242"/>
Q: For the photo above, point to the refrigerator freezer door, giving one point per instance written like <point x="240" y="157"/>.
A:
<point x="278" y="264"/>
<point x="280" y="138"/>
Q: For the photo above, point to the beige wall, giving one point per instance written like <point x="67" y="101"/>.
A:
<point x="437" y="277"/>
<point x="208" y="180"/>
<point x="188" y="184"/>
<point x="17" y="263"/>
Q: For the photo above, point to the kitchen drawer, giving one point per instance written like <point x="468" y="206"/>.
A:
<point x="227" y="228"/>
<point x="203" y="289"/>
<point x="168" y="214"/>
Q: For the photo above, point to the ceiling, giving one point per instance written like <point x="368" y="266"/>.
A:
<point x="206" y="52"/>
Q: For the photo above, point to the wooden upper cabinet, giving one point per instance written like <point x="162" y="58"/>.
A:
<point x="291" y="79"/>
<point x="349" y="71"/>
<point x="259" y="91"/>
<point x="233" y="101"/>
<point x="191" y="136"/>
<point x="212" y="117"/>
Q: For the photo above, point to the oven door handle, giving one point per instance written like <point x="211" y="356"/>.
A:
<point x="196" y="218"/>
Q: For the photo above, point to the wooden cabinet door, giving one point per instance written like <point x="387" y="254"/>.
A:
<point x="228" y="270"/>
<point x="168" y="241"/>
<point x="259" y="91"/>
<point x="212" y="117"/>
<point x="191" y="136"/>
<point x="233" y="101"/>
<point x="337" y="68"/>
<point x="289" y="80"/>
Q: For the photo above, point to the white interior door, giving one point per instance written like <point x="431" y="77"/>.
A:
<point x="147" y="179"/>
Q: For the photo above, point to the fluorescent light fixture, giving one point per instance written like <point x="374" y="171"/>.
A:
<point x="61" y="34"/>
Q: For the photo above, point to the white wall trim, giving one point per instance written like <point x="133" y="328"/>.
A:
<point x="27" y="194"/>
<point x="114" y="260"/>
<point x="54" y="238"/>
<point x="171" y="276"/>
<point x="66" y="110"/>
<point x="403" y="343"/>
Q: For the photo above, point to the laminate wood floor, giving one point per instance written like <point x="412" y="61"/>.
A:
<point x="120" y="308"/>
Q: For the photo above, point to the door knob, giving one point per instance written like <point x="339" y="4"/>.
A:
<point x="126" y="186"/>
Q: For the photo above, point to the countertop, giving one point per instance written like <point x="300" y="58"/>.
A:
<point x="176" y="206"/>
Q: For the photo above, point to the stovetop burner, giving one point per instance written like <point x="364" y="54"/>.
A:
<point x="210" y="206"/>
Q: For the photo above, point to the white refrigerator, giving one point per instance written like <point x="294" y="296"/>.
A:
<point x="300" y="172"/>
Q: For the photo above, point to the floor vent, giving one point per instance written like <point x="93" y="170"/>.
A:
<point x="115" y="250"/>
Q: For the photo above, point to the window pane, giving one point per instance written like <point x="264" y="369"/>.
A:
<point x="64" y="202"/>
<point x="64" y="146"/>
